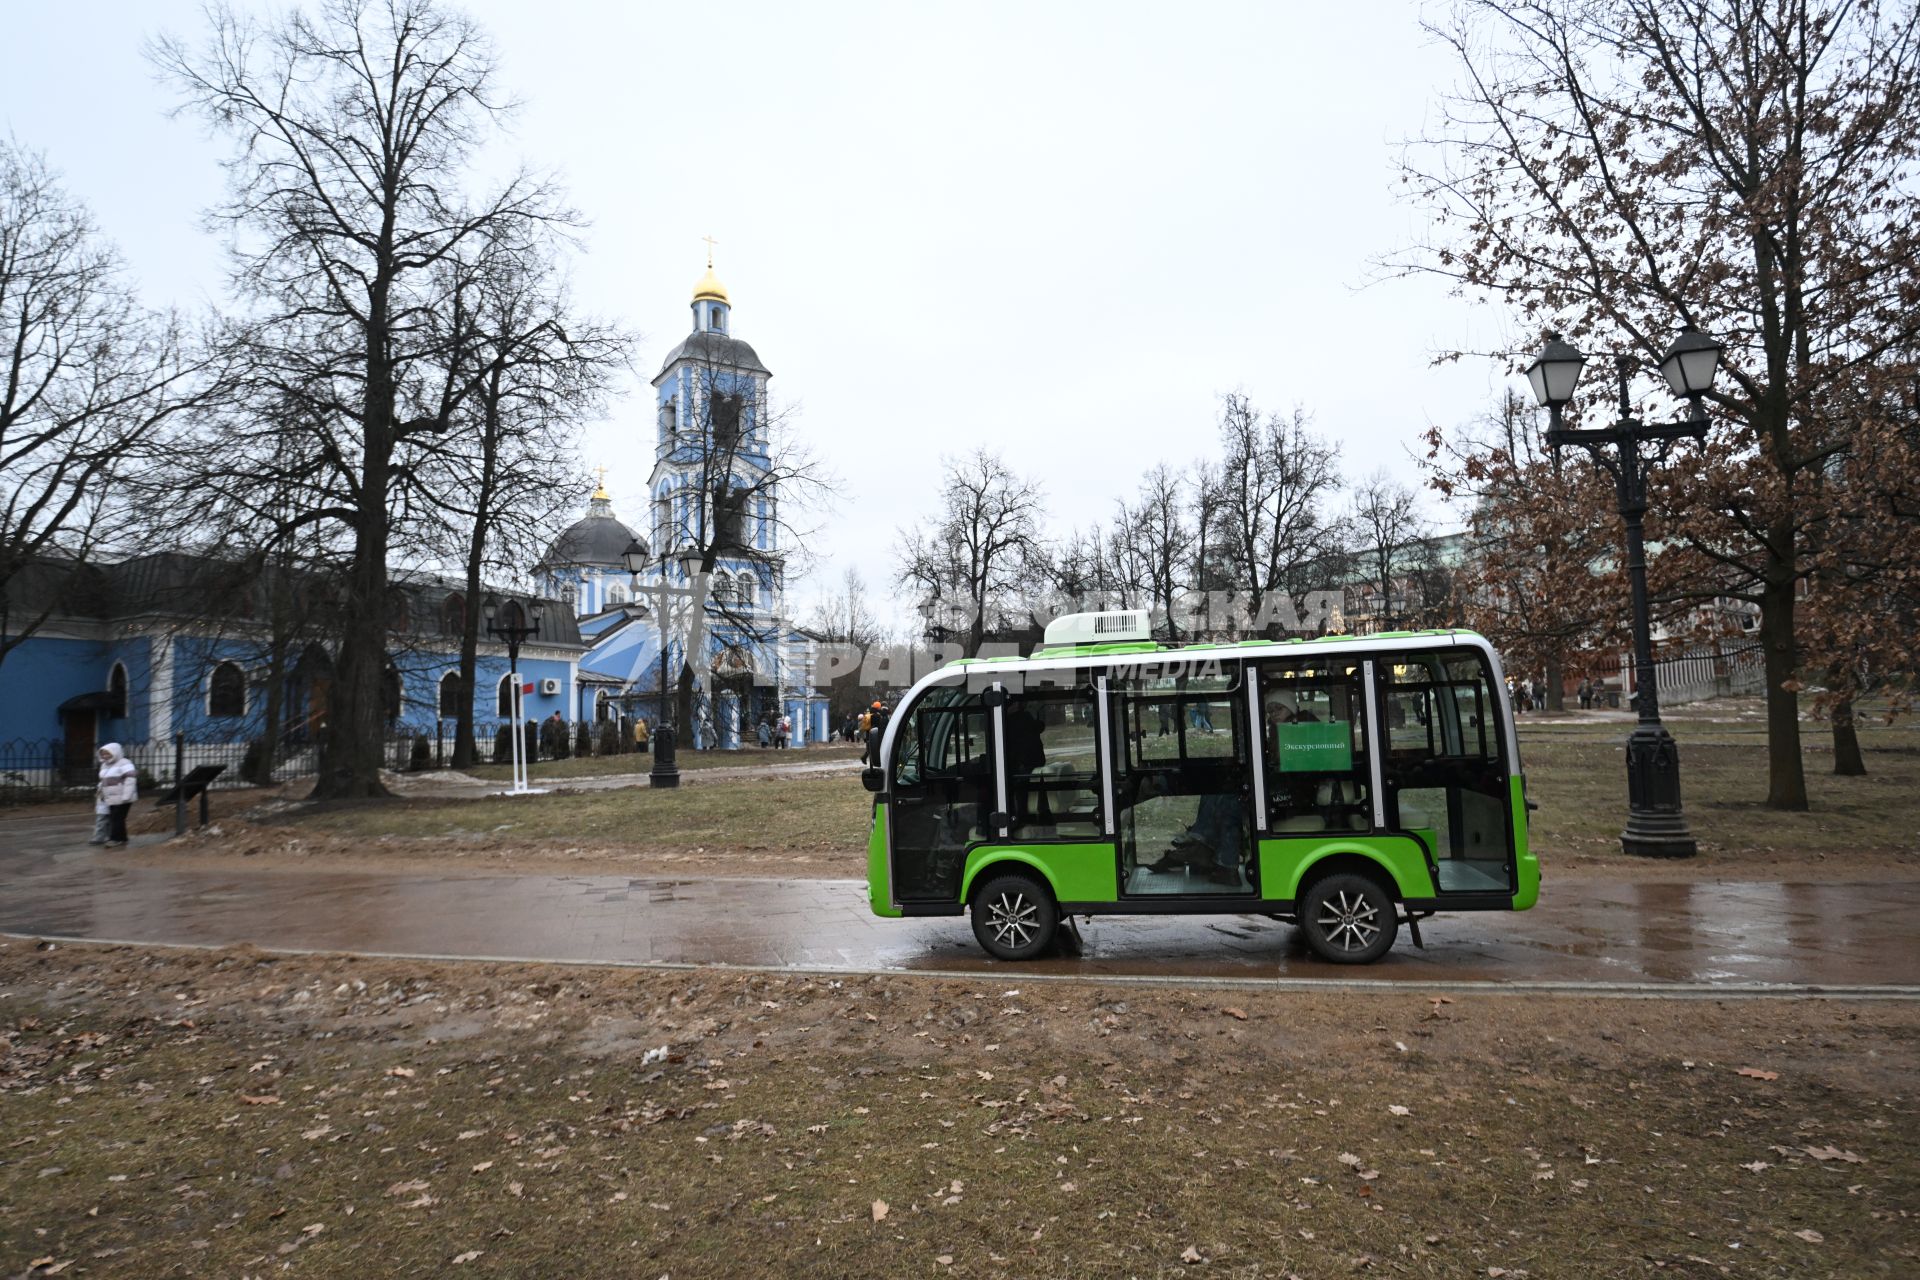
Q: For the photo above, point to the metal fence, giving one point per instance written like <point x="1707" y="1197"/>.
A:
<point x="43" y="768"/>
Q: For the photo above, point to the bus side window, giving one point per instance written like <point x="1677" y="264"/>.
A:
<point x="1317" y="773"/>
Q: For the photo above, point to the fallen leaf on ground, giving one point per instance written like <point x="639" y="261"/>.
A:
<point x="1834" y="1153"/>
<point x="468" y="1256"/>
<point x="1397" y="1110"/>
<point x="259" y="1099"/>
<point x="879" y="1210"/>
<point x="1757" y="1074"/>
<point x="403" y="1073"/>
<point x="1239" y="1015"/>
<point x="1191" y="1256"/>
<point x="1810" y="1236"/>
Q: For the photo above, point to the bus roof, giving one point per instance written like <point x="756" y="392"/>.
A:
<point x="1224" y="648"/>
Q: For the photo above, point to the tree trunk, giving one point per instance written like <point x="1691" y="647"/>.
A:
<point x="1786" y="774"/>
<point x="350" y="763"/>
<point x="683" y="706"/>
<point x="1848" y="762"/>
<point x="465" y="750"/>
<point x="1556" y="683"/>
<point x="271" y="717"/>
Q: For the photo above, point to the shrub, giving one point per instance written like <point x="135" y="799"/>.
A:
<point x="583" y="740"/>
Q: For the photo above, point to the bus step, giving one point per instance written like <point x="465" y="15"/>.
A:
<point x="1413" y="927"/>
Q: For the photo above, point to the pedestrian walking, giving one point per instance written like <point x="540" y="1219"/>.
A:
<point x="640" y="732"/>
<point x="118" y="788"/>
<point x="876" y="730"/>
<point x="764" y="731"/>
<point x="1586" y="694"/>
<point x="783" y="733"/>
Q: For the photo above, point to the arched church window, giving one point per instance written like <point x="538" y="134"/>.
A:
<point x="669" y="417"/>
<point x="617" y="594"/>
<point x="503" y="698"/>
<point x="453" y="614"/>
<point x="117" y="690"/>
<point x="722" y="588"/>
<point x="227" y="692"/>
<point x="450" y="699"/>
<point x="390" y="693"/>
<point x="744" y="588"/>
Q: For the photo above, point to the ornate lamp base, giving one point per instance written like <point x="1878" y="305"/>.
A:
<point x="1656" y="826"/>
<point x="664" y="772"/>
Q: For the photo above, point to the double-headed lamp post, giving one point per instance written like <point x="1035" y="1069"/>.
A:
<point x="665" y="772"/>
<point x="1656" y="826"/>
<point x="513" y="622"/>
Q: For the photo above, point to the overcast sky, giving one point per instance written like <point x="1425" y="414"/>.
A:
<point x="1060" y="231"/>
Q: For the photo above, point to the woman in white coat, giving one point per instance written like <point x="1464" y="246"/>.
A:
<point x="119" y="788"/>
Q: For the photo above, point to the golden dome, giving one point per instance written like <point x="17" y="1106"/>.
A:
<point x="710" y="289"/>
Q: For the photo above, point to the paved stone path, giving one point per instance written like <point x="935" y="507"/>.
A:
<point x="1724" y="935"/>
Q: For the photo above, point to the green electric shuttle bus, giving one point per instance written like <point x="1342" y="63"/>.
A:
<point x="1348" y="784"/>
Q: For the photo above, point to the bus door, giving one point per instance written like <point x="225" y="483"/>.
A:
<point x="942" y="791"/>
<point x="1182" y="788"/>
<point x="1444" y="772"/>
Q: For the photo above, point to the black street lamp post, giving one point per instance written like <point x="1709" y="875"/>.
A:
<point x="514" y="622"/>
<point x="1656" y="825"/>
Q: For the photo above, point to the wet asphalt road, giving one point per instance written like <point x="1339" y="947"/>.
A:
<point x="1722" y="935"/>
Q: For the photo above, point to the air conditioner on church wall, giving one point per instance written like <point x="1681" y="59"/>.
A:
<point x="549" y="686"/>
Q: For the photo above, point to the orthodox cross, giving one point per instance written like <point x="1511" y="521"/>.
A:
<point x="710" y="243"/>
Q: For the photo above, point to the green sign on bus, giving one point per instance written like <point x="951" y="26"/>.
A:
<point x="1315" y="748"/>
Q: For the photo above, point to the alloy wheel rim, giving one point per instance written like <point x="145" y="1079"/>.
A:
<point x="1350" y="921"/>
<point x="1013" y="920"/>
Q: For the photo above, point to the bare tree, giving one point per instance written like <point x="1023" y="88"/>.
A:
<point x="520" y="372"/>
<point x="1624" y="166"/>
<point x="1275" y="483"/>
<point x="984" y="544"/>
<point x="352" y="128"/>
<point x="1393" y="545"/>
<point x="89" y="379"/>
<point x="1155" y="539"/>
<point x="844" y="618"/>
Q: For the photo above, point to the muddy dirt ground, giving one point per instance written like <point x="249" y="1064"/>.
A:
<point x="230" y="1113"/>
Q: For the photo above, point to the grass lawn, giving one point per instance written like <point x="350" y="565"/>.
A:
<point x="230" y="1114"/>
<point x="1577" y="775"/>
<point x="638" y="763"/>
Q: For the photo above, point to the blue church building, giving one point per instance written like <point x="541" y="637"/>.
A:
<point x="134" y="651"/>
<point x="712" y="484"/>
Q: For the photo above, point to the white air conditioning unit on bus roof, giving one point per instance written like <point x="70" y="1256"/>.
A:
<point x="1112" y="626"/>
<point x="549" y="686"/>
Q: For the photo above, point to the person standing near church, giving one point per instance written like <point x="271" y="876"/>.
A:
<point x="119" y="787"/>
